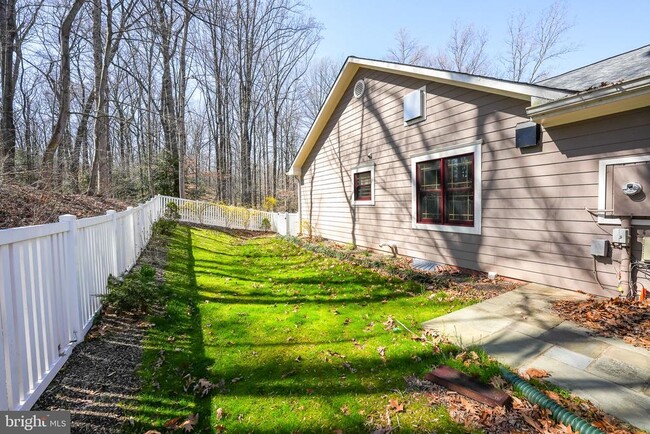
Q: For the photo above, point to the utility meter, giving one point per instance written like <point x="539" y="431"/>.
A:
<point x="632" y="188"/>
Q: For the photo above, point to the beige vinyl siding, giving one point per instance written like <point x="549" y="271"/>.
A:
<point x="534" y="223"/>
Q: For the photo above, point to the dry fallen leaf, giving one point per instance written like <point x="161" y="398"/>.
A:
<point x="189" y="423"/>
<point x="203" y="387"/>
<point x="536" y="373"/>
<point x="172" y="423"/>
<point x="345" y="410"/>
<point x="152" y="431"/>
<point x="382" y="353"/>
<point x="220" y="413"/>
<point x="395" y="405"/>
<point x="498" y="382"/>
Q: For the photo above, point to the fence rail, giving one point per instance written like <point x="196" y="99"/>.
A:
<point x="51" y="277"/>
<point x="233" y="217"/>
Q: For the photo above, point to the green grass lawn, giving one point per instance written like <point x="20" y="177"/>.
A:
<point x="285" y="341"/>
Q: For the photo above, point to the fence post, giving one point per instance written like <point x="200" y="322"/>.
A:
<point x="71" y="279"/>
<point x="140" y="226"/>
<point x="6" y="327"/>
<point x="287" y="224"/>
<point x="116" y="270"/>
<point x="129" y="242"/>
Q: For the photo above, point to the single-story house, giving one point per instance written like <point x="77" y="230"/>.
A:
<point x="531" y="181"/>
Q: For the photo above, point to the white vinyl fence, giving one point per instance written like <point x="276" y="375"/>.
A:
<point x="215" y="214"/>
<point x="51" y="277"/>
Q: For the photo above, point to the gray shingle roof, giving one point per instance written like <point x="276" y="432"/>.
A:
<point x="623" y="67"/>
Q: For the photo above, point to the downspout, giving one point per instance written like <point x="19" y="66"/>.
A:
<point x="558" y="412"/>
<point x="624" y="285"/>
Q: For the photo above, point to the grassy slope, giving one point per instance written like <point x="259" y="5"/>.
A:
<point x="293" y="336"/>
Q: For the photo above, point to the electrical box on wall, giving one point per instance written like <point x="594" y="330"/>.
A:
<point x="528" y="134"/>
<point x="621" y="236"/>
<point x="645" y="250"/>
<point x="627" y="189"/>
<point x="600" y="248"/>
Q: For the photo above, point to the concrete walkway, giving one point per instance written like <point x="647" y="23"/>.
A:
<point x="520" y="329"/>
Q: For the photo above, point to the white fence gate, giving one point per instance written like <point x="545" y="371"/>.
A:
<point x="51" y="277"/>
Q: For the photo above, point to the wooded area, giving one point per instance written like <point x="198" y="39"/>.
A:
<point x="128" y="98"/>
<point x="192" y="98"/>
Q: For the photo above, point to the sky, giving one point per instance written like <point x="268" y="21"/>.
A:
<point x="367" y="28"/>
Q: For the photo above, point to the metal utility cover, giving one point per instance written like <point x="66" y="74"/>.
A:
<point x="637" y="205"/>
<point x="600" y="248"/>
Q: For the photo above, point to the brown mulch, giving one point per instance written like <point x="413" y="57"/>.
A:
<point x="616" y="317"/>
<point x="22" y="205"/>
<point x="100" y="377"/>
<point x="522" y="417"/>
<point x="457" y="283"/>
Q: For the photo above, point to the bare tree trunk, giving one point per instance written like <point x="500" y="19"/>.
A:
<point x="64" y="97"/>
<point x="167" y="109"/>
<point x="79" y="140"/>
<point x="182" y="88"/>
<point x="8" y="40"/>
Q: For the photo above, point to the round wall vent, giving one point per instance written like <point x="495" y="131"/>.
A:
<point x="359" y="88"/>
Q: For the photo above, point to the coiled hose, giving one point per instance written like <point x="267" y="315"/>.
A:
<point x="558" y="412"/>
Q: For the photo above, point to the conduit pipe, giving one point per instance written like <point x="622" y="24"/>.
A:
<point x="558" y="412"/>
<point x="626" y="223"/>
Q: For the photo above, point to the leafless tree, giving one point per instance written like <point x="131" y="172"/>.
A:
<point x="316" y="85"/>
<point x="64" y="93"/>
<point x="408" y="50"/>
<point x="530" y="49"/>
<point x="465" y="51"/>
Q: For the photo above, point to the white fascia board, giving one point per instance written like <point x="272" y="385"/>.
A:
<point x="336" y="92"/>
<point x="599" y="102"/>
<point x="523" y="91"/>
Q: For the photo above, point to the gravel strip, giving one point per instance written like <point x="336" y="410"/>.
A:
<point x="99" y="380"/>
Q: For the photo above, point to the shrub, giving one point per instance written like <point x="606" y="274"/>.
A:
<point x="164" y="227"/>
<point x="137" y="291"/>
<point x="168" y="222"/>
<point x="269" y="203"/>
<point x="171" y="211"/>
<point x="266" y="224"/>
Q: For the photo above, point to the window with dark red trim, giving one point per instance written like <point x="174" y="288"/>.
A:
<point x="445" y="191"/>
<point x="363" y="186"/>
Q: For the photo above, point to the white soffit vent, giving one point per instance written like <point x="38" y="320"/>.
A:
<point x="359" y="88"/>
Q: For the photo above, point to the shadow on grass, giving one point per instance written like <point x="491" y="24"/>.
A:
<point x="279" y="369"/>
<point x="174" y="353"/>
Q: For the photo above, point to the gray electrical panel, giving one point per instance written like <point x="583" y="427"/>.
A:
<point x="600" y="248"/>
<point x="645" y="249"/>
<point x="631" y="182"/>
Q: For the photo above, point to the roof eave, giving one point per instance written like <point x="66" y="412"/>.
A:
<point x="604" y="101"/>
<point x="343" y="80"/>
<point x="527" y="92"/>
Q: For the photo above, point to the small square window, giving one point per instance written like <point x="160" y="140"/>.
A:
<point x="363" y="186"/>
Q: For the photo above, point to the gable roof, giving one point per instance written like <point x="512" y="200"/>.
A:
<point x="622" y="67"/>
<point x="613" y="85"/>
<point x="522" y="91"/>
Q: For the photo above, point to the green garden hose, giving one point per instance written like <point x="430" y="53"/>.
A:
<point x="558" y="412"/>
